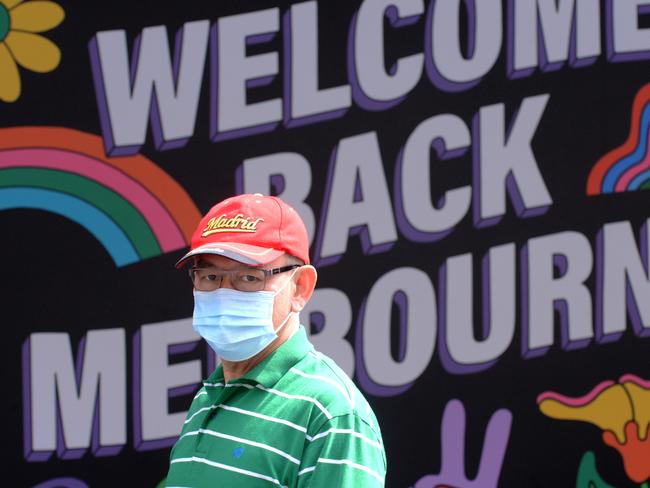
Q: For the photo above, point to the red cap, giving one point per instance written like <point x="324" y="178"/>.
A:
<point x="251" y="229"/>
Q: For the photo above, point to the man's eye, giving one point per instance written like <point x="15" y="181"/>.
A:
<point x="211" y="277"/>
<point x="248" y="278"/>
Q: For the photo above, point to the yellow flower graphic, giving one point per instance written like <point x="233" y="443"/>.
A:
<point x="20" y="45"/>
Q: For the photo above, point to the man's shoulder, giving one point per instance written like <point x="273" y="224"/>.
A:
<point x="317" y="376"/>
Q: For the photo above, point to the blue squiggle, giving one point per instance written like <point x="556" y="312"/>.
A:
<point x="639" y="180"/>
<point x="615" y="172"/>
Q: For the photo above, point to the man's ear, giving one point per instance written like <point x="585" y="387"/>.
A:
<point x="305" y="281"/>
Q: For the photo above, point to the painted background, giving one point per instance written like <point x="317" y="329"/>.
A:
<point x="473" y="177"/>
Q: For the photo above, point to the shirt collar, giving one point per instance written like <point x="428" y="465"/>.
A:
<point x="269" y="371"/>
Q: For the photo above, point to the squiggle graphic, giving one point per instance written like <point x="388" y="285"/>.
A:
<point x="627" y="167"/>
<point x="621" y="410"/>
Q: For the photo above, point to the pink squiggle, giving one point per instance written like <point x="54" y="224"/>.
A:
<point x="630" y="378"/>
<point x="161" y="222"/>
<point x="575" y="402"/>
<point x="625" y="179"/>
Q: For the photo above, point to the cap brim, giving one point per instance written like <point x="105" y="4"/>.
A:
<point x="244" y="253"/>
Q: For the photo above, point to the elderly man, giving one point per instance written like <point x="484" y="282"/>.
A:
<point x="275" y="411"/>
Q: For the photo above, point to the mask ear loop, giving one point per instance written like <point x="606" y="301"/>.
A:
<point x="284" y="322"/>
<point x="285" y="283"/>
<point x="286" y="319"/>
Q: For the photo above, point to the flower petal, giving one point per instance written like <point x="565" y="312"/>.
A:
<point x="33" y="52"/>
<point x="9" y="4"/>
<point x="36" y="16"/>
<point x="10" y="79"/>
<point x="640" y="398"/>
<point x="609" y="410"/>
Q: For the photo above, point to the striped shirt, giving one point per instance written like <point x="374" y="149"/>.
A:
<point x="295" y="420"/>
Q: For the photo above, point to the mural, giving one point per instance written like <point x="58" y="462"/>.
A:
<point x="621" y="410"/>
<point x="466" y="171"/>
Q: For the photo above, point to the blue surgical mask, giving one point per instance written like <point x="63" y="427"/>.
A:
<point x="236" y="324"/>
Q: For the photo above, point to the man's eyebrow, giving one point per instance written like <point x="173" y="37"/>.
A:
<point x="202" y="263"/>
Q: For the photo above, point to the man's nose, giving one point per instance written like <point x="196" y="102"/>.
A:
<point x="226" y="282"/>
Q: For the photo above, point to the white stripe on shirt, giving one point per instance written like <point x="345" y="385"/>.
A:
<point x="298" y="397"/>
<point x="264" y="417"/>
<point x="345" y="431"/>
<point x="327" y="380"/>
<point x="278" y="393"/>
<point x="252" y="414"/>
<point x="189" y="419"/>
<point x="195" y="459"/>
<point x="244" y="441"/>
<point x="346" y="462"/>
<point x="287" y="423"/>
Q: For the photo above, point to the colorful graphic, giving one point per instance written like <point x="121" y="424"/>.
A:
<point x="588" y="476"/>
<point x="627" y="167"/>
<point x="21" y="45"/>
<point x="621" y="410"/>
<point x="453" y="471"/>
<point x="130" y="205"/>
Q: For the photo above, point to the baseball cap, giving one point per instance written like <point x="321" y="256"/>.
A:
<point x="251" y="228"/>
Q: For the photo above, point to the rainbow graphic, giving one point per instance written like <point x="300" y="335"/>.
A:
<point x="627" y="167"/>
<point x="130" y="205"/>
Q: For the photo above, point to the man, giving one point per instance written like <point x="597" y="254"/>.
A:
<point x="275" y="411"/>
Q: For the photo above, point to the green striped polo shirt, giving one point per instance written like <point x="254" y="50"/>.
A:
<point x="295" y="420"/>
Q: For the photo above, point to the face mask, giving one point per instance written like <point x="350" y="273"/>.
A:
<point x="236" y="324"/>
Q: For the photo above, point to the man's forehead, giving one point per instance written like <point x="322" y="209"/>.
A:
<point x="216" y="261"/>
<point x="223" y="262"/>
